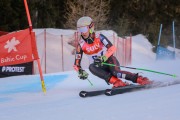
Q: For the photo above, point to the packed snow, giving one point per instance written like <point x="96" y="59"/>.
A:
<point x="21" y="97"/>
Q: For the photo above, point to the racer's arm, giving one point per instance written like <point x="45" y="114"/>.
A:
<point x="82" y="74"/>
<point x="110" y="47"/>
<point x="78" y="58"/>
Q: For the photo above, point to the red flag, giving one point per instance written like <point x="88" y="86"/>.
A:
<point x="16" y="48"/>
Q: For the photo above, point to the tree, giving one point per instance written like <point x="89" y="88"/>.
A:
<point x="145" y="17"/>
<point x="4" y="18"/>
<point x="98" y="11"/>
<point x="47" y="13"/>
<point x="12" y="15"/>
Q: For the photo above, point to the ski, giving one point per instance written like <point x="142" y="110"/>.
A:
<point x="131" y="88"/>
<point x="109" y="92"/>
<point x="126" y="89"/>
<point x="91" y="93"/>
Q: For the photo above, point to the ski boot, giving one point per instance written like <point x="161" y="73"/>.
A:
<point x="116" y="82"/>
<point x="143" y="80"/>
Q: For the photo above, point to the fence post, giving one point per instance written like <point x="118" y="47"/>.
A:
<point x="130" y="61"/>
<point x="117" y="51"/>
<point x="45" y="50"/>
<point x="126" y="45"/>
<point x="62" y="53"/>
<point x="113" y="39"/>
<point x="124" y="52"/>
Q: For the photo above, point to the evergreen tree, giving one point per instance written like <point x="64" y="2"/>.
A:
<point x="47" y="13"/>
<point x="12" y="15"/>
<point x="5" y="19"/>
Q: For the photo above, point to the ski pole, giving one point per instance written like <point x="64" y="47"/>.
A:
<point x="76" y="69"/>
<point x="90" y="82"/>
<point x="173" y="75"/>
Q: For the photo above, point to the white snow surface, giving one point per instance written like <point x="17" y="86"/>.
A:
<point x="21" y="97"/>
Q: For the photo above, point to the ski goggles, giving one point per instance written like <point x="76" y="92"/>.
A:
<point x="83" y="29"/>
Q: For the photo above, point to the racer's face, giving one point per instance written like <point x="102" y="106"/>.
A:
<point x="84" y="31"/>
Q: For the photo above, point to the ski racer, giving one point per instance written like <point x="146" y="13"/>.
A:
<point x="100" y="50"/>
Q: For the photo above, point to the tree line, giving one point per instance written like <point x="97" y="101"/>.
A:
<point x="123" y="16"/>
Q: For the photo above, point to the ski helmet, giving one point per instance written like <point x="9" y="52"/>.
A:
<point x="85" y="21"/>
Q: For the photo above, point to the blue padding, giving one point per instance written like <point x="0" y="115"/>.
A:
<point x="30" y="84"/>
<point x="164" y="53"/>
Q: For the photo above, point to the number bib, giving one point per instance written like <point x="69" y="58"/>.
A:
<point x="93" y="50"/>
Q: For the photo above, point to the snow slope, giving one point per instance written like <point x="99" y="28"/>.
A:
<point x="21" y="97"/>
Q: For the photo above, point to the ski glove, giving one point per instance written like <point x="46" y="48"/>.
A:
<point x="99" y="60"/>
<point x="82" y="74"/>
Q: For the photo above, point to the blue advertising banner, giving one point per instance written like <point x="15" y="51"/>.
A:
<point x="164" y="53"/>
